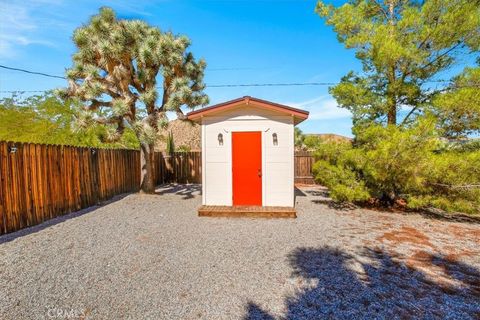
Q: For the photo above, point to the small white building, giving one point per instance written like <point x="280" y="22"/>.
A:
<point x="248" y="153"/>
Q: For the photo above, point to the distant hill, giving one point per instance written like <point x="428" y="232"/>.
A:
<point x="329" y="136"/>
<point x="186" y="135"/>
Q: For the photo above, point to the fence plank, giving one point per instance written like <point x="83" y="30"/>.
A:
<point x="303" y="167"/>
<point x="13" y="221"/>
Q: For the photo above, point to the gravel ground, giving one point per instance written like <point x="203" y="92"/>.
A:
<point x="151" y="257"/>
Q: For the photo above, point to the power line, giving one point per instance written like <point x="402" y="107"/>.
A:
<point x="232" y="85"/>
<point x="238" y="68"/>
<point x="23" y="91"/>
<point x="272" y="84"/>
<point x="32" y="72"/>
<point x="61" y="77"/>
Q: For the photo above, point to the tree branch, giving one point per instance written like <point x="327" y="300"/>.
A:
<point x="95" y="104"/>
<point x="450" y="186"/>
<point x="109" y="87"/>
<point x="136" y="82"/>
<point x="436" y="58"/>
<point x="381" y="8"/>
<point x="103" y="120"/>
<point x="408" y="115"/>
<point x="166" y="95"/>
<point x="181" y="115"/>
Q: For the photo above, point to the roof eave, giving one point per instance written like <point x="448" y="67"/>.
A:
<point x="296" y="113"/>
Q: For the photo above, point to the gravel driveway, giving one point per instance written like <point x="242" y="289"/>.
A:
<point x="150" y="256"/>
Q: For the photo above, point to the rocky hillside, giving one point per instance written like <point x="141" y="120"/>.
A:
<point x="186" y="136"/>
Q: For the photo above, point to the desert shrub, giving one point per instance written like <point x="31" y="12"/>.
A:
<point x="396" y="158"/>
<point x="391" y="164"/>
<point x="183" y="148"/>
<point x="311" y="142"/>
<point x="460" y="145"/>
<point x="451" y="183"/>
<point x="342" y="181"/>
<point x="47" y="119"/>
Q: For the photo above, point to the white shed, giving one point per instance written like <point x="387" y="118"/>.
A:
<point x="247" y="155"/>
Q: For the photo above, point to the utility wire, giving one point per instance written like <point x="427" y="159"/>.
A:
<point x="32" y="72"/>
<point x="210" y="86"/>
<point x="237" y="68"/>
<point x="226" y="86"/>
<point x="233" y="85"/>
<point x="22" y="91"/>
<point x="272" y="84"/>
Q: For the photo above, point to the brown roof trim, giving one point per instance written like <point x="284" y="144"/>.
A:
<point x="298" y="113"/>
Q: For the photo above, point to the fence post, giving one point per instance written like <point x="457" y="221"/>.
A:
<point x="2" y="188"/>
<point x="95" y="174"/>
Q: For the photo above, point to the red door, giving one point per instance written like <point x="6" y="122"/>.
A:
<point x="247" y="168"/>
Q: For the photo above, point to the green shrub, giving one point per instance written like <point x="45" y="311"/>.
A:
<point x="342" y="182"/>
<point x="311" y="142"/>
<point x="396" y="158"/>
<point x="444" y="203"/>
<point x="183" y="148"/>
<point x="451" y="183"/>
<point x="392" y="163"/>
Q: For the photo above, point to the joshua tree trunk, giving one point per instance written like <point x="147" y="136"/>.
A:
<point x="147" y="168"/>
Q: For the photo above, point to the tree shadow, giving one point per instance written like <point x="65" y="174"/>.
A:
<point x="377" y="285"/>
<point x="186" y="191"/>
<point x="433" y="213"/>
<point x="318" y="192"/>
<point x="321" y="195"/>
<point x="332" y="204"/>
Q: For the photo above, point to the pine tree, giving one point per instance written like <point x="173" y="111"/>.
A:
<point x="402" y="44"/>
<point x="127" y="74"/>
<point x="458" y="108"/>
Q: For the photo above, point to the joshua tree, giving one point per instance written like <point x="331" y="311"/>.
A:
<point x="115" y="73"/>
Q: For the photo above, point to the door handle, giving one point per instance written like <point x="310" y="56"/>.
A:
<point x="259" y="172"/>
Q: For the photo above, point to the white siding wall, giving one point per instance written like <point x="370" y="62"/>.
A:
<point x="277" y="160"/>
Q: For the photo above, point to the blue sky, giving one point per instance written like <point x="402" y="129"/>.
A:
<point x="277" y="41"/>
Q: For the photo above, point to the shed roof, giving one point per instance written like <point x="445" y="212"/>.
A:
<point x="298" y="114"/>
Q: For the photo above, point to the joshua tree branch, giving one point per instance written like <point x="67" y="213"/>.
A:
<point x="95" y="104"/>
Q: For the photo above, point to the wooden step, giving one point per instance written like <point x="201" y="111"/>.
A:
<point x="247" y="212"/>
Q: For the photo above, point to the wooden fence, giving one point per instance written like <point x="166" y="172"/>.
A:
<point x="39" y="182"/>
<point x="186" y="167"/>
<point x="304" y="161"/>
<point x="180" y="167"/>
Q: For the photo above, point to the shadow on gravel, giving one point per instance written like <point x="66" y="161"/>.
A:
<point x="318" y="193"/>
<point x="432" y="213"/>
<point x="186" y="191"/>
<point x="299" y="193"/>
<point x="382" y="288"/>
<point x="335" y="205"/>
<point x="46" y="224"/>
